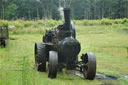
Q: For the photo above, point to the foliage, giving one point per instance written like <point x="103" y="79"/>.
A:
<point x="28" y="23"/>
<point x="3" y="22"/>
<point x="17" y="24"/>
<point x="53" y="23"/>
<point x="106" y="22"/>
<point x="117" y="21"/>
<point x="48" y="9"/>
<point x="41" y="22"/>
<point x="103" y="21"/>
<point x="125" y="20"/>
<point x="29" y="30"/>
<point x="10" y="11"/>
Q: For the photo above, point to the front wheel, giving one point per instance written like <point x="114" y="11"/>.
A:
<point x="52" y="64"/>
<point x="89" y="70"/>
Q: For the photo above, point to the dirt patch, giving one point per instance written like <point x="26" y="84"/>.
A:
<point x="98" y="76"/>
<point x="105" y="77"/>
<point x="124" y="76"/>
<point x="108" y="83"/>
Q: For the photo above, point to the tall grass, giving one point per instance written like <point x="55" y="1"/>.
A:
<point x="52" y="23"/>
<point x="39" y="26"/>
<point x="101" y="22"/>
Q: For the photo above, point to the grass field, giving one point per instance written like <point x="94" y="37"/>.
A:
<point x="107" y="42"/>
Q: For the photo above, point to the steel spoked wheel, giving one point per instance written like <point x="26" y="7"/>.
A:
<point x="89" y="70"/>
<point x="40" y="57"/>
<point x="52" y="64"/>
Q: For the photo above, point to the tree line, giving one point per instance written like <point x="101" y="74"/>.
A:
<point x="49" y="9"/>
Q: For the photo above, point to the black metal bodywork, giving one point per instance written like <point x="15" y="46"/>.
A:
<point x="3" y="35"/>
<point x="62" y="43"/>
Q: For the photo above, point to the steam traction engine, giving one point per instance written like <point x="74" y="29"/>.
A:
<point x="60" y="49"/>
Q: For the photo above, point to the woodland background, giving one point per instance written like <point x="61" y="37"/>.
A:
<point x="48" y="9"/>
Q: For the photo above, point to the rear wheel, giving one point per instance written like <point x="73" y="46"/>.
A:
<point x="40" y="56"/>
<point x="89" y="70"/>
<point x="52" y="64"/>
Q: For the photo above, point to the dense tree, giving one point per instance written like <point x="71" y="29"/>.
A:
<point x="10" y="11"/>
<point x="48" y="9"/>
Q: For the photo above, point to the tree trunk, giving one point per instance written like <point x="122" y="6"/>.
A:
<point x="38" y="16"/>
<point x="29" y="15"/>
<point x="2" y="11"/>
<point x="102" y="9"/>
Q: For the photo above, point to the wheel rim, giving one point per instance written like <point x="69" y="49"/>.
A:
<point x="52" y="64"/>
<point x="90" y="67"/>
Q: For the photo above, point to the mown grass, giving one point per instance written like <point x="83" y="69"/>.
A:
<point x="107" y="42"/>
<point x="109" y="47"/>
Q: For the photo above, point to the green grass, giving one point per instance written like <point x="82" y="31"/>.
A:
<point x="107" y="42"/>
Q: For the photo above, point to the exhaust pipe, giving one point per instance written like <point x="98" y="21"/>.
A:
<point x="67" y="19"/>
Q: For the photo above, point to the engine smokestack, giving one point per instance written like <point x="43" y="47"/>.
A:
<point x="67" y="19"/>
